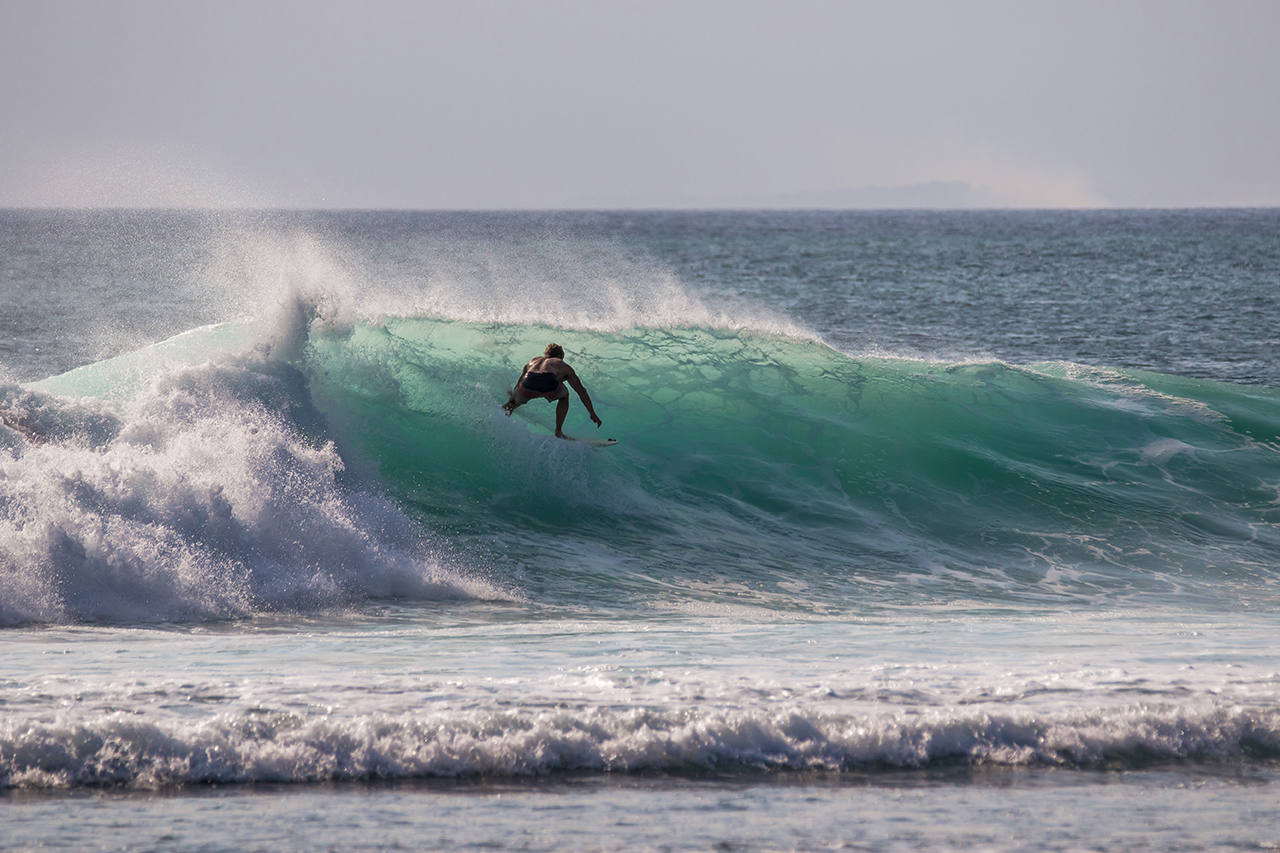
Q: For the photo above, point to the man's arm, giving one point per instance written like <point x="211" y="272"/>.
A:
<point x="576" y="384"/>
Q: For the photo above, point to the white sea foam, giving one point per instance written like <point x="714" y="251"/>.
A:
<point x="214" y="493"/>
<point x="123" y="749"/>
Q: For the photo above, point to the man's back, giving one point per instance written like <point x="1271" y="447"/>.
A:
<point x="549" y="364"/>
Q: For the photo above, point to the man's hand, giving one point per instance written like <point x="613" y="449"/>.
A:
<point x="596" y="418"/>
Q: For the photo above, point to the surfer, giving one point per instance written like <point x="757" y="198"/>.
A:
<point x="546" y="377"/>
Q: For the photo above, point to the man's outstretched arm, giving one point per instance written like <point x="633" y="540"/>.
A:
<point x="576" y="384"/>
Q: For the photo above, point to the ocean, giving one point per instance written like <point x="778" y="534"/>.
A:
<point x="925" y="530"/>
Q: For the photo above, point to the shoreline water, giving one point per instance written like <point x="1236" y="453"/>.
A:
<point x="1003" y="810"/>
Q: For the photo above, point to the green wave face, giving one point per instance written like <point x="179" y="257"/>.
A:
<point x="756" y="469"/>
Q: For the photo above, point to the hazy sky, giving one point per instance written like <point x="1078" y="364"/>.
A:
<point x="555" y="103"/>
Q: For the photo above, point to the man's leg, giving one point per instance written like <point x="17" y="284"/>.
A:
<point x="562" y="409"/>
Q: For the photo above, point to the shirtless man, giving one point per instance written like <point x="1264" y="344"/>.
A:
<point x="545" y="377"/>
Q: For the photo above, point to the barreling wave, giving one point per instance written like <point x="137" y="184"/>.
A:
<point x="124" y="750"/>
<point x="340" y="462"/>
<point x="774" y="470"/>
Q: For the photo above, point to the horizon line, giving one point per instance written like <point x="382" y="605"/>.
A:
<point x="630" y="209"/>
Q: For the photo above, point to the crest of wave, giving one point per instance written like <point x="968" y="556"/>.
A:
<point x="551" y="280"/>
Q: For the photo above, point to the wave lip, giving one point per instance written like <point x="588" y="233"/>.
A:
<point x="123" y="750"/>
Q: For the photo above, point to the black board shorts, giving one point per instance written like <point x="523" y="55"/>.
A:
<point x="544" y="385"/>
<point x="540" y="383"/>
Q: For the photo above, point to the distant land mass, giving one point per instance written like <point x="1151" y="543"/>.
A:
<point x="931" y="194"/>
<point x="927" y="195"/>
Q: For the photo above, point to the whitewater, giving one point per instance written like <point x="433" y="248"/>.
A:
<point x="931" y="529"/>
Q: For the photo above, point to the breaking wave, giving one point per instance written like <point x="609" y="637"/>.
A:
<point x="123" y="750"/>
<point x="329" y="460"/>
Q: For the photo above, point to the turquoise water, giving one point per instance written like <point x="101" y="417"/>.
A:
<point x="912" y="517"/>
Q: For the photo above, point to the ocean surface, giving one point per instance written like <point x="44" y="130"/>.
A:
<point x="925" y="530"/>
